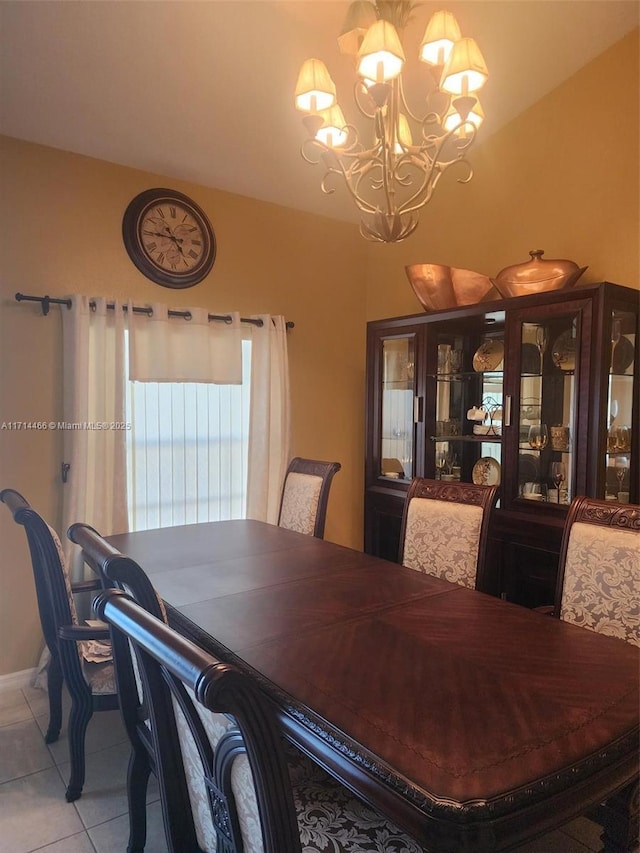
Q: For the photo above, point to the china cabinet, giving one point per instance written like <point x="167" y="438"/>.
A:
<point x="538" y="394"/>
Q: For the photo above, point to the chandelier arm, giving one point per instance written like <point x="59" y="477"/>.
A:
<point x="351" y="183"/>
<point x="388" y="123"/>
<point x="435" y="167"/>
<point x="431" y="116"/>
<point x="408" y="207"/>
<point x="359" y="92"/>
<point x="353" y="176"/>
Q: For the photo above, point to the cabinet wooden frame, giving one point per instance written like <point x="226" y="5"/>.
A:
<point x="592" y="307"/>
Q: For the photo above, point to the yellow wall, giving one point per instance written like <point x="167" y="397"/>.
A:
<point x="61" y="233"/>
<point x="562" y="177"/>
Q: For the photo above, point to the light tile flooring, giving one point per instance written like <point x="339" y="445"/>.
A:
<point x="34" y="814"/>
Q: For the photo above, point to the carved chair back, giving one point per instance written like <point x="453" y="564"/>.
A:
<point x="305" y="495"/>
<point x="181" y="680"/>
<point x="445" y="530"/>
<point x="599" y="573"/>
<point x="91" y="684"/>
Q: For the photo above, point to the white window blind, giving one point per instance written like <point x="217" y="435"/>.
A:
<point x="187" y="451"/>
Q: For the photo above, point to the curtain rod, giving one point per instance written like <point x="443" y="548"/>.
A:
<point x="46" y="301"/>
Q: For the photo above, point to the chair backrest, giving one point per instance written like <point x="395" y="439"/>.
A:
<point x="181" y="680"/>
<point x="116" y="569"/>
<point x="599" y="572"/>
<point x="445" y="530"/>
<point x="305" y="495"/>
<point x="53" y="587"/>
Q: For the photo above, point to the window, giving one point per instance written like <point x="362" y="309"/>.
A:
<point x="187" y="451"/>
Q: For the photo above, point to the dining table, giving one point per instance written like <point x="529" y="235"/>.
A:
<point x="473" y="723"/>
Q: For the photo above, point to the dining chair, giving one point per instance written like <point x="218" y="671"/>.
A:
<point x="598" y="583"/>
<point x="117" y="570"/>
<point x="598" y="588"/>
<point x="445" y="529"/>
<point x="198" y="735"/>
<point x="305" y="495"/>
<point x="79" y="656"/>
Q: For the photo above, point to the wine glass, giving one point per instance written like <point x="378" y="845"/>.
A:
<point x="538" y="436"/>
<point x="621" y="470"/>
<point x="623" y="439"/>
<point x="541" y="343"/>
<point x="441" y="461"/>
<point x="615" y="339"/>
<point x="613" y="411"/>
<point x="558" y="475"/>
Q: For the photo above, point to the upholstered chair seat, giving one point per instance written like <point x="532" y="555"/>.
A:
<point x="305" y="495"/>
<point x="444" y="529"/>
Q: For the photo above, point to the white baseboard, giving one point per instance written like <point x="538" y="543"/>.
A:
<point x="16" y="680"/>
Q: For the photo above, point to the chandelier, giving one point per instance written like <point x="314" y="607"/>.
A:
<point x="395" y="174"/>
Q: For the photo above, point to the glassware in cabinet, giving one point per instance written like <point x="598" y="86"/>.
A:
<point x="547" y="409"/>
<point x="619" y="404"/>
<point x="466" y="420"/>
<point x="397" y="394"/>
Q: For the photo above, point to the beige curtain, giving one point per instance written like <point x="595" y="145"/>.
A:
<point x="94" y="409"/>
<point x="171" y="349"/>
<point x="270" y="417"/>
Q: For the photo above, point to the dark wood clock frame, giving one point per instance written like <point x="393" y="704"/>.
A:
<point x="132" y="237"/>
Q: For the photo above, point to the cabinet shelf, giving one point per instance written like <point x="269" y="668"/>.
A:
<point x="472" y="374"/>
<point x="474" y="439"/>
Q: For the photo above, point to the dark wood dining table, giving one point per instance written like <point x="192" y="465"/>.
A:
<point x="473" y="723"/>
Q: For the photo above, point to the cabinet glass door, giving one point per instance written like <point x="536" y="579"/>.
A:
<point x="468" y="383"/>
<point x="620" y="406"/>
<point x="397" y="398"/>
<point x="547" y="413"/>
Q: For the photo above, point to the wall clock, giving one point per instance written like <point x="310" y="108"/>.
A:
<point x="169" y="238"/>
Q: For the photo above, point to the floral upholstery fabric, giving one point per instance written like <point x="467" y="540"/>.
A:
<point x="601" y="589"/>
<point x="89" y="651"/>
<point x="65" y="572"/>
<point x="300" y="502"/>
<point x="241" y="781"/>
<point x="330" y="819"/>
<point x="442" y="539"/>
<point x="100" y="677"/>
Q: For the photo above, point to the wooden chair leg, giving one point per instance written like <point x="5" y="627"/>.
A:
<point x="81" y="713"/>
<point x="137" y="781"/>
<point x="54" y="687"/>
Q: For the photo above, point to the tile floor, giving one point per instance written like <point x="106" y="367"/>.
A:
<point x="35" y="816"/>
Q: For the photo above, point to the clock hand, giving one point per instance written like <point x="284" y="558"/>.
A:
<point x="176" y="240"/>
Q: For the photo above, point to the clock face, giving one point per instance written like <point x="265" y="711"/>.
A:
<point x="169" y="238"/>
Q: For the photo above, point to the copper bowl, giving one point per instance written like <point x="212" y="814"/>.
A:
<point x="438" y="287"/>
<point x="537" y="275"/>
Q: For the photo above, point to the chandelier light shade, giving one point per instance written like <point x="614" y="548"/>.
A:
<point x="381" y="56"/>
<point x="392" y="170"/>
<point x="332" y="132"/>
<point x="315" y="90"/>
<point x="439" y="38"/>
<point x="360" y="17"/>
<point x="465" y="70"/>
